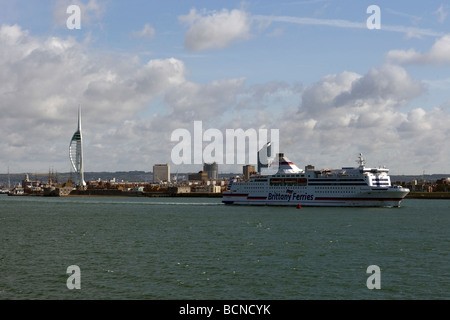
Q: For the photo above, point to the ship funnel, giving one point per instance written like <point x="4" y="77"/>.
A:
<point x="286" y="166"/>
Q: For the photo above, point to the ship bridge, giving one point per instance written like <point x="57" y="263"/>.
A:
<point x="375" y="177"/>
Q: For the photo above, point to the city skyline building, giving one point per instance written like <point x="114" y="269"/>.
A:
<point x="247" y="171"/>
<point x="161" y="173"/>
<point x="212" y="169"/>
<point x="76" y="154"/>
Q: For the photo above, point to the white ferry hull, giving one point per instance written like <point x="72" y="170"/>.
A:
<point x="290" y="186"/>
<point x="386" y="200"/>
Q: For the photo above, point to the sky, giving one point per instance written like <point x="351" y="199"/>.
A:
<point x="315" y="70"/>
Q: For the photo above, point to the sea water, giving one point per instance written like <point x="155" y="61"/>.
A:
<point x="198" y="248"/>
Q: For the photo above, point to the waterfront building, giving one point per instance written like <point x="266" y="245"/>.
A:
<point x="212" y="169"/>
<point x="161" y="173"/>
<point x="247" y="171"/>
<point x="200" y="176"/>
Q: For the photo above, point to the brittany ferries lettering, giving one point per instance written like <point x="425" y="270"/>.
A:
<point x="291" y="186"/>
<point x="290" y="195"/>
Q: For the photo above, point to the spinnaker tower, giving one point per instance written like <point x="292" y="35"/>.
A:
<point x="76" y="154"/>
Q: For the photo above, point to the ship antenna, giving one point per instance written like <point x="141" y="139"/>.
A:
<point x="361" y="160"/>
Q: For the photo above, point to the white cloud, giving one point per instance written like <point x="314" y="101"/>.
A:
<point x="387" y="86"/>
<point x="11" y="35"/>
<point x="220" y="29"/>
<point x="438" y="54"/>
<point x="148" y="32"/>
<point x="215" y="30"/>
<point x="344" y="114"/>
<point x="191" y="101"/>
<point x="318" y="97"/>
<point x="442" y="13"/>
<point x="44" y="80"/>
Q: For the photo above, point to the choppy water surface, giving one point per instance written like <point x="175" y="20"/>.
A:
<point x="191" y="248"/>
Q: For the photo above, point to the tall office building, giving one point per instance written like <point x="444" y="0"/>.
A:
<point x="247" y="171"/>
<point x="212" y="169"/>
<point x="161" y="173"/>
<point x="76" y="154"/>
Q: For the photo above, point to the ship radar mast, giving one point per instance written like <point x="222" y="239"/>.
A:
<point x="361" y="160"/>
<point x="76" y="153"/>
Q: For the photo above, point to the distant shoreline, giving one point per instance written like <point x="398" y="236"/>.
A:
<point x="428" y="195"/>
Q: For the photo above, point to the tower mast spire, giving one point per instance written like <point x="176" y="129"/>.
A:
<point x="79" y="117"/>
<point x="76" y="153"/>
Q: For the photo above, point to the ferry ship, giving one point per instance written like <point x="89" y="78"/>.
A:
<point x="291" y="186"/>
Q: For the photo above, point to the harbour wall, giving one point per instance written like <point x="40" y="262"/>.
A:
<point x="119" y="193"/>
